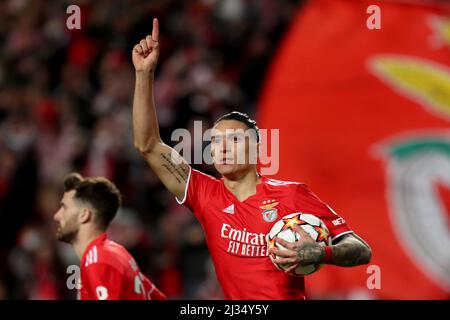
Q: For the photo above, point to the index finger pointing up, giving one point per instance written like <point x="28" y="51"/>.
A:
<point x="155" y="30"/>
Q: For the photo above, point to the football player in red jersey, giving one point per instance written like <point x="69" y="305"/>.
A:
<point x="107" y="270"/>
<point x="238" y="210"/>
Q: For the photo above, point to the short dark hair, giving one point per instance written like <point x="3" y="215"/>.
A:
<point x="241" y="117"/>
<point x="99" y="192"/>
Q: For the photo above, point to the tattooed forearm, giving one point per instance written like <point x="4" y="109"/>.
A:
<point x="309" y="253"/>
<point x="350" y="251"/>
<point x="179" y="171"/>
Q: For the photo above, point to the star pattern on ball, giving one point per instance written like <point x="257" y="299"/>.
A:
<point x="323" y="234"/>
<point x="271" y="245"/>
<point x="290" y="223"/>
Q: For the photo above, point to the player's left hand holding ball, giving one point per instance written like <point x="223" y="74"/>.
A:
<point x="303" y="252"/>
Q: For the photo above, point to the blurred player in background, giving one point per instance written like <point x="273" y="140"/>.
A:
<point x="108" y="271"/>
<point x="237" y="211"/>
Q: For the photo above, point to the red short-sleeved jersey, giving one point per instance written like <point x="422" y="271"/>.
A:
<point x="236" y="232"/>
<point x="109" y="272"/>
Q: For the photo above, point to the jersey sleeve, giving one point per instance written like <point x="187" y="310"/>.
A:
<point x="103" y="282"/>
<point x="153" y="293"/>
<point x="198" y="192"/>
<point x="306" y="201"/>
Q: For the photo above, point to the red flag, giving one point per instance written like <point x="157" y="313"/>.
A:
<point x="364" y="119"/>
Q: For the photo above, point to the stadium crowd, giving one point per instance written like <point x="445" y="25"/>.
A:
<point x="65" y="105"/>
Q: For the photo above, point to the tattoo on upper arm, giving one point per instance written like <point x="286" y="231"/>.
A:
<point x="350" y="252"/>
<point x="177" y="168"/>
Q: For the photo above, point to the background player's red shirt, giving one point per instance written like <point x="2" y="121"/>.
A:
<point x="109" y="272"/>
<point x="236" y="232"/>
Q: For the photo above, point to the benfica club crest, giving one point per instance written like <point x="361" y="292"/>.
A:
<point x="418" y="166"/>
<point x="270" y="213"/>
<point x="418" y="194"/>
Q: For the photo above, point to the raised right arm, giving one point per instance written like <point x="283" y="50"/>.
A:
<point x="168" y="165"/>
